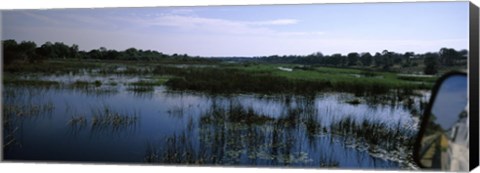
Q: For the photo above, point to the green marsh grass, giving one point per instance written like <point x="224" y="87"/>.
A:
<point x="426" y="79"/>
<point x="235" y="78"/>
<point x="9" y="80"/>
<point x="268" y="79"/>
<point x="51" y="67"/>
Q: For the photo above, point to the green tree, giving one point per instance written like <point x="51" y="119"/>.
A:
<point x="95" y="54"/>
<point x="407" y="56"/>
<point x="47" y="50"/>
<point x="61" y="50"/>
<point x="112" y="55"/>
<point x="387" y="59"/>
<point x="27" y="50"/>
<point x="448" y="56"/>
<point x="74" y="51"/>
<point x="132" y="53"/>
<point x="431" y="63"/>
<point x="10" y="49"/>
<point x="337" y="60"/>
<point x="352" y="58"/>
<point x="378" y="59"/>
<point x="366" y="59"/>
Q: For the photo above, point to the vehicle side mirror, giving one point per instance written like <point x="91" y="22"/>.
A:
<point x="443" y="138"/>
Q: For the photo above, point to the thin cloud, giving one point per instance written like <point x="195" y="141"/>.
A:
<point x="182" y="11"/>
<point x="182" y="19"/>
<point x="39" y="17"/>
<point x="222" y="26"/>
<point x="275" y="22"/>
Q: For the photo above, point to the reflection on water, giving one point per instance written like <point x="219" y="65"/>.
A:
<point x="161" y="126"/>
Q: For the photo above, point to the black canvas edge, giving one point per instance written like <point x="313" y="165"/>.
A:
<point x="473" y="85"/>
<point x="1" y="86"/>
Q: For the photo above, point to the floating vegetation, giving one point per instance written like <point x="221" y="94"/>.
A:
<point x="396" y="141"/>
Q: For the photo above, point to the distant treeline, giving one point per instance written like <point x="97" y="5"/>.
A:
<point x="430" y="62"/>
<point x="446" y="56"/>
<point x="28" y="51"/>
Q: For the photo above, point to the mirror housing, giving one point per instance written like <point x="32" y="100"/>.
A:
<point x="443" y="139"/>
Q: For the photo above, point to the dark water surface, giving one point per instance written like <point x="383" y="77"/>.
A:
<point x="114" y="124"/>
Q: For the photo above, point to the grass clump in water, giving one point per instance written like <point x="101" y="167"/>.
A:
<point x="29" y="110"/>
<point x="78" y="120"/>
<point x="12" y="114"/>
<point x="141" y="89"/>
<point x="355" y="101"/>
<point x="85" y="84"/>
<point x="157" y="81"/>
<point x="375" y="134"/>
<point x="106" y="117"/>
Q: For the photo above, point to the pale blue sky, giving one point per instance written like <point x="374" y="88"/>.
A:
<point x="250" y="30"/>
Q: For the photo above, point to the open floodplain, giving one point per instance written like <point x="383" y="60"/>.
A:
<point x="218" y="113"/>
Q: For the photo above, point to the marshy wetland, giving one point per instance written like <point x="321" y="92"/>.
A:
<point x="220" y="114"/>
<point x="304" y="86"/>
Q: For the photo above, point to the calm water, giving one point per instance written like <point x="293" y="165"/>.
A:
<point x="164" y="127"/>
